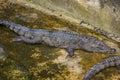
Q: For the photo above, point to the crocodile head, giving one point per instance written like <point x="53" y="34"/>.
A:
<point x="99" y="46"/>
<point x="102" y="47"/>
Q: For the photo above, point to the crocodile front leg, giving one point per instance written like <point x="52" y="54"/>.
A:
<point x="70" y="51"/>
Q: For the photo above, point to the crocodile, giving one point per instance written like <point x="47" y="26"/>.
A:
<point x="58" y="38"/>
<point x="109" y="62"/>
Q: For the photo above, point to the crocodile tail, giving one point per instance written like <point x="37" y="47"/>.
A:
<point x="109" y="62"/>
<point x="15" y="27"/>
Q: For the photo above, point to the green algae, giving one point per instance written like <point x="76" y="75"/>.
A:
<point x="36" y="61"/>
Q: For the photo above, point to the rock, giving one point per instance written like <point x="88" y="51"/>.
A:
<point x="101" y="13"/>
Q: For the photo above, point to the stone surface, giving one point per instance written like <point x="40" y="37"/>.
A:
<point x="100" y="13"/>
<point x="41" y="61"/>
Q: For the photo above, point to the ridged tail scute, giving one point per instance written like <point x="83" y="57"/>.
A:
<point x="15" y="27"/>
<point x="109" y="62"/>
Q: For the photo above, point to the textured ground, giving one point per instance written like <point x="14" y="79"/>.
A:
<point x="41" y="62"/>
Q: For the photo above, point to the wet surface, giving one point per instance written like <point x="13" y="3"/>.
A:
<point x="42" y="62"/>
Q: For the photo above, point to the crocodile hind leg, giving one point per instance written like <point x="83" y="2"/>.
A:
<point x="70" y="51"/>
<point x="118" y="66"/>
<point x="18" y="38"/>
<point x="25" y="39"/>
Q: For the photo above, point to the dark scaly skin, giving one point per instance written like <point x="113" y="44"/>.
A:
<point x="61" y="39"/>
<point x="109" y="62"/>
